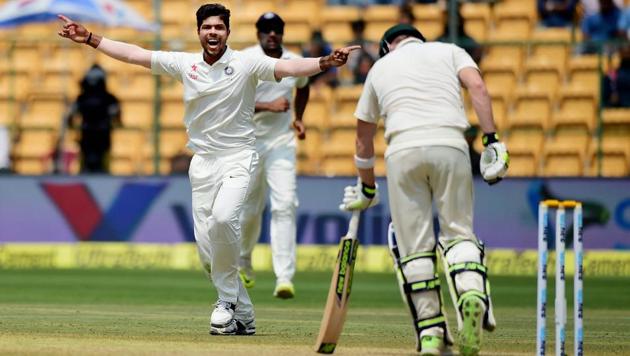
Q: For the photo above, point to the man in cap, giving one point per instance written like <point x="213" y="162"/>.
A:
<point x="276" y="172"/>
<point x="415" y="88"/>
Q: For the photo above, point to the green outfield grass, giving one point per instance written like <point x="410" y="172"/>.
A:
<point x="149" y="312"/>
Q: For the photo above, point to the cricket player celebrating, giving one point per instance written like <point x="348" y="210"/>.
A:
<point x="276" y="146"/>
<point x="415" y="88"/>
<point x="219" y="89"/>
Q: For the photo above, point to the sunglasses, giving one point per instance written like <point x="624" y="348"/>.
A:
<point x="267" y="30"/>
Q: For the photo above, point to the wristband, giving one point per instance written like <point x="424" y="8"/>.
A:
<point x="323" y="63"/>
<point x="368" y="191"/>
<point x="364" y="163"/>
<point x="489" y="138"/>
<point x="87" y="42"/>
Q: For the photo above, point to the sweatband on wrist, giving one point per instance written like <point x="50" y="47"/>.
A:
<point x="368" y="191"/>
<point x="489" y="138"/>
<point x="364" y="163"/>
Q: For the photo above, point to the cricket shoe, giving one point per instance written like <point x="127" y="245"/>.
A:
<point x="434" y="346"/>
<point x="284" y="290"/>
<point x="222" y="320"/>
<point x="247" y="277"/>
<point x="245" y="327"/>
<point x="473" y="311"/>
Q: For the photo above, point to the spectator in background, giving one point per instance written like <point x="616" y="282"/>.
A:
<point x="99" y="111"/>
<point x="472" y="47"/>
<point x="623" y="27"/>
<point x="362" y="60"/>
<point x="600" y="27"/>
<point x="318" y="47"/>
<point x="591" y="7"/>
<point x="405" y="15"/>
<point x="556" y="13"/>
<point x="617" y="82"/>
<point x="363" y="2"/>
<point x="5" y="150"/>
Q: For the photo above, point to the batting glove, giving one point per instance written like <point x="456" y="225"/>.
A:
<point x="359" y="197"/>
<point x="495" y="159"/>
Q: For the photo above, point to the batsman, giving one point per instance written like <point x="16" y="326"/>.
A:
<point x="416" y="88"/>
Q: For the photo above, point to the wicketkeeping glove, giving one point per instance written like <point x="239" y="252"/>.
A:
<point x="359" y="197"/>
<point x="495" y="159"/>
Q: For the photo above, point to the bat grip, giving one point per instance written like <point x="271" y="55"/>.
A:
<point x="354" y="224"/>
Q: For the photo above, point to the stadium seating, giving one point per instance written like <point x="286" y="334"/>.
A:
<point x="33" y="151"/>
<point x="346" y="99"/>
<point x="318" y="110"/>
<point x="532" y="107"/>
<point x="429" y="19"/>
<point x="308" y="153"/>
<point x="43" y="111"/>
<point x="476" y="19"/>
<point x="137" y="113"/>
<point x="525" y="145"/>
<point x="615" y="157"/>
<point x="565" y="152"/>
<point x="127" y="145"/>
<point x="576" y="107"/>
<point x="540" y="91"/>
<point x="336" y="23"/>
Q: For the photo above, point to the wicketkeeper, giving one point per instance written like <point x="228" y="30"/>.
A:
<point x="415" y="87"/>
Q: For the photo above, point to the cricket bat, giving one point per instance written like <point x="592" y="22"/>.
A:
<point x="339" y="292"/>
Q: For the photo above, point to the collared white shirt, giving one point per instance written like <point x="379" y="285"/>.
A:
<point x="416" y="90"/>
<point x="275" y="128"/>
<point x="218" y="98"/>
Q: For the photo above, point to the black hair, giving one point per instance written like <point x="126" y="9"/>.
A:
<point x="209" y="10"/>
<point x="358" y="25"/>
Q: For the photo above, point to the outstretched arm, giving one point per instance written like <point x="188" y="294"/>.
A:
<point x="119" y="50"/>
<point x="305" y="67"/>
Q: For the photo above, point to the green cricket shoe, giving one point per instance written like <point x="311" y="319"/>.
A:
<point x="473" y="309"/>
<point x="284" y="290"/>
<point x="248" y="279"/>
<point x="433" y="345"/>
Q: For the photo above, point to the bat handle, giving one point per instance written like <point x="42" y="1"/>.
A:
<point x="354" y="224"/>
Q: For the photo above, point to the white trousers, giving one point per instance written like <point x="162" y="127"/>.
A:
<point x="219" y="187"/>
<point x="416" y="177"/>
<point x="276" y="173"/>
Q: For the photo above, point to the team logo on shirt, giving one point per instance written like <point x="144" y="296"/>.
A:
<point x="228" y="70"/>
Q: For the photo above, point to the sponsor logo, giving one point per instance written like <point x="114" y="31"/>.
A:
<point x="89" y="222"/>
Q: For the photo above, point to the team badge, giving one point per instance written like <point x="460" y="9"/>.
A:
<point x="228" y="70"/>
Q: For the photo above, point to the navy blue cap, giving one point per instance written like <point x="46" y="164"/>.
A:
<point x="270" y="21"/>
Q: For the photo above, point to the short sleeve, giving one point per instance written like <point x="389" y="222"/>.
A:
<point x="461" y="59"/>
<point x="261" y="66"/>
<point x="167" y="63"/>
<point x="367" y="107"/>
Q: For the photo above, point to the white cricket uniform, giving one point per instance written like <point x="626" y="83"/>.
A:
<point x="219" y="105"/>
<point x="417" y="92"/>
<point x="276" y="172"/>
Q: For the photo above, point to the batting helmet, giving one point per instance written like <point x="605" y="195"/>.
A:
<point x="395" y="31"/>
